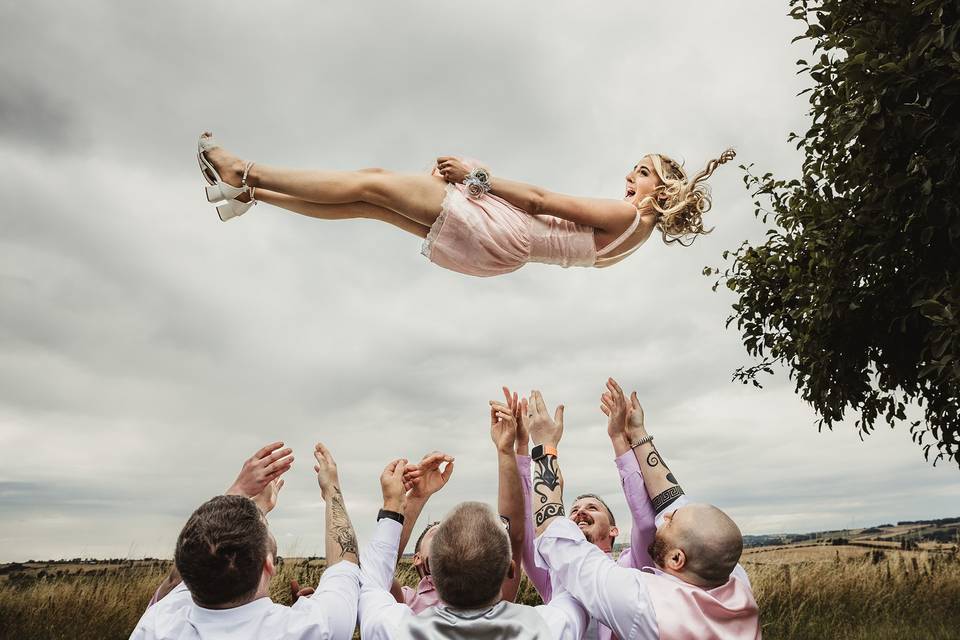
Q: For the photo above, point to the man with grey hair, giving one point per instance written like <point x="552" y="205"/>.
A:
<point x="696" y="588"/>
<point x="470" y="559"/>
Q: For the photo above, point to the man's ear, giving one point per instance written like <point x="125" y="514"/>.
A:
<point x="417" y="559"/>
<point x="512" y="570"/>
<point x="268" y="566"/>
<point x="676" y="559"/>
<point x="614" y="532"/>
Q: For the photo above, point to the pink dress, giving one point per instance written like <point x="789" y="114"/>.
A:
<point x="488" y="236"/>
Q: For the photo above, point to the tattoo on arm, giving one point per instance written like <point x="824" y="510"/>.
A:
<point x="547" y="511"/>
<point x="663" y="500"/>
<point x="340" y="525"/>
<point x="546" y="483"/>
<point x="547" y="478"/>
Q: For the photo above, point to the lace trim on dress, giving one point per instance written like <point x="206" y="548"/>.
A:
<point x="438" y="223"/>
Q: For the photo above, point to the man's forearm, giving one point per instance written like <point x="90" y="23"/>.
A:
<point x="661" y="484"/>
<point x="510" y="496"/>
<point x="341" y="542"/>
<point x="547" y="499"/>
<point x="411" y="513"/>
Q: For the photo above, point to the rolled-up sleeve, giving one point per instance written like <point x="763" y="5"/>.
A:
<point x="538" y="577"/>
<point x="335" y="599"/>
<point x="643" y="526"/>
<point x="380" y="614"/>
<point x="616" y="596"/>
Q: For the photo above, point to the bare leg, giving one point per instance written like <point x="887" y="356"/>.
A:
<point x="342" y="211"/>
<point x="417" y="197"/>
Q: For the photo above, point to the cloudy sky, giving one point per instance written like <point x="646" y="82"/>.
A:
<point x="146" y="348"/>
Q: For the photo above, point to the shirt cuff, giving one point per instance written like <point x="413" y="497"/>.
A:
<point x="627" y="464"/>
<point x="388" y="532"/>
<point x="342" y="568"/>
<point x="676" y="504"/>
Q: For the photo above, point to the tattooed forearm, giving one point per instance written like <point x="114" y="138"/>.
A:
<point x="548" y="485"/>
<point x="547" y="478"/>
<point x="654" y="458"/>
<point x="546" y="512"/>
<point x="340" y="525"/>
<point x="663" y="500"/>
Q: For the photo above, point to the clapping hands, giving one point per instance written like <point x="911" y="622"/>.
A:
<point x="624" y="418"/>
<point x="425" y="478"/>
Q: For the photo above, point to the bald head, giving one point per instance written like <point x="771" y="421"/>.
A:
<point x="699" y="543"/>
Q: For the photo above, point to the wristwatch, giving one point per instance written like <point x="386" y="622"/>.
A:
<point x="543" y="450"/>
<point x="393" y="515"/>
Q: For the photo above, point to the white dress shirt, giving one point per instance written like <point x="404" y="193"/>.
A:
<point x="383" y="618"/>
<point x="330" y="613"/>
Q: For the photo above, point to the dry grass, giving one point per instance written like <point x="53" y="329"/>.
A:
<point x="836" y="593"/>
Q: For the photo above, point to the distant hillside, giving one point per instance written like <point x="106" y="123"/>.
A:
<point x="905" y="534"/>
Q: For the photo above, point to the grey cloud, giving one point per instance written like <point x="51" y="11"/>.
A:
<point x="142" y="339"/>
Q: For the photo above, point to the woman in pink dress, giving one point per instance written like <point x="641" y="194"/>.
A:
<point x="473" y="222"/>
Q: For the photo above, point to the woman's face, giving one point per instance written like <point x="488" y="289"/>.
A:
<point x="642" y="181"/>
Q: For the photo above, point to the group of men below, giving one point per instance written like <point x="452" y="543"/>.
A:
<point x="680" y="577"/>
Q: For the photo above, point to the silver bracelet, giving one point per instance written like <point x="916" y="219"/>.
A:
<point x="641" y="441"/>
<point x="477" y="182"/>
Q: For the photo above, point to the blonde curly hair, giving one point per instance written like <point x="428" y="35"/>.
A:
<point x="680" y="202"/>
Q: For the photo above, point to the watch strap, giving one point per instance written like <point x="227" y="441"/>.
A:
<point x="393" y="515"/>
<point x="543" y="450"/>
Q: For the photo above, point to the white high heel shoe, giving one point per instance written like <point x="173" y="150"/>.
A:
<point x="220" y="191"/>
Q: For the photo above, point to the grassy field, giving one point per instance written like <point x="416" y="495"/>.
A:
<point x="838" y="592"/>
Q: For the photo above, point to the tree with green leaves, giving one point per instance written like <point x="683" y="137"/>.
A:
<point x="856" y="288"/>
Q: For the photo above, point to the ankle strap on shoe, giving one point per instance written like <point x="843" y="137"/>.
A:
<point x="243" y="181"/>
<point x="246" y="170"/>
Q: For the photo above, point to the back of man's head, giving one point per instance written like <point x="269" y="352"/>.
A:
<point x="221" y="551"/>
<point x="711" y="541"/>
<point x="470" y="556"/>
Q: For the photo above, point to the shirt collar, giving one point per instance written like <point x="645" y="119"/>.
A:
<point x="425" y="585"/>
<point x="244" y="611"/>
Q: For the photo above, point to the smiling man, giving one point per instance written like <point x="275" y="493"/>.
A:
<point x="695" y="590"/>
<point x="589" y="511"/>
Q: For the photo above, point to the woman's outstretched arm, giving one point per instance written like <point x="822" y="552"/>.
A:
<point x="612" y="216"/>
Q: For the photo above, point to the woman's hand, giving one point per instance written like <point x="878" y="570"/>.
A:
<point x="452" y="169"/>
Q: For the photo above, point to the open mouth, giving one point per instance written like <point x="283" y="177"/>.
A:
<point x="630" y="192"/>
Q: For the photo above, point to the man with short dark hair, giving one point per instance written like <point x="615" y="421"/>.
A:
<point x="226" y="558"/>
<point x="695" y="590"/>
<point x="470" y="560"/>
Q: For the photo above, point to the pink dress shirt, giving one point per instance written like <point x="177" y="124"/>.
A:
<point x="423" y="597"/>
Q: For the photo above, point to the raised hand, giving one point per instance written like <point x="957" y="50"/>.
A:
<point x="635" y="427"/>
<point x="523" y="436"/>
<point x="391" y="483"/>
<point x="267" y="499"/>
<point x="503" y="427"/>
<point x="614" y="405"/>
<point x="258" y="471"/>
<point x="326" y="469"/>
<point x="426" y="478"/>
<point x="542" y="429"/>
